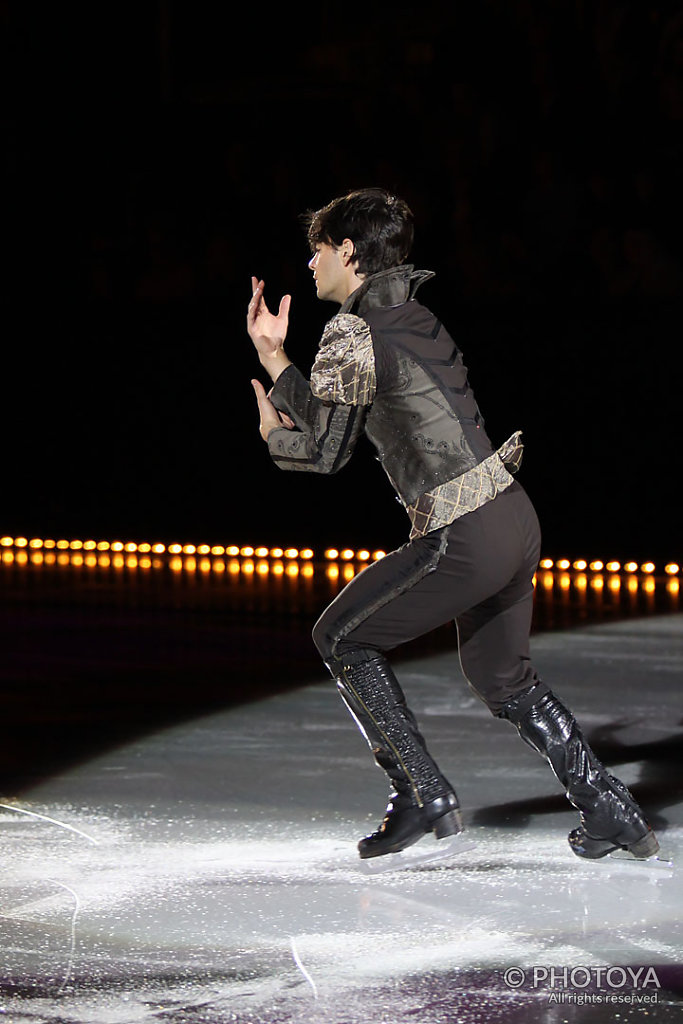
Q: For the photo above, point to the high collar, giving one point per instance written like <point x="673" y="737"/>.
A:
<point x="387" y="288"/>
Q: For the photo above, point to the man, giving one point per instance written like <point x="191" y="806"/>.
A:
<point x="386" y="366"/>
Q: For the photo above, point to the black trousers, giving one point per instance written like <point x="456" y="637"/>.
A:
<point x="478" y="572"/>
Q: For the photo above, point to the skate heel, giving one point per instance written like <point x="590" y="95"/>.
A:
<point x="584" y="845"/>
<point x="447" y="825"/>
<point x="645" y="847"/>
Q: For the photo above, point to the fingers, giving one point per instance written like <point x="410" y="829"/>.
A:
<point x="266" y="407"/>
<point x="271" y="418"/>
<point x="257" y="289"/>
<point x="267" y="413"/>
<point x="256" y="299"/>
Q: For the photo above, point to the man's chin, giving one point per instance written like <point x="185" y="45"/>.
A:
<point x="325" y="296"/>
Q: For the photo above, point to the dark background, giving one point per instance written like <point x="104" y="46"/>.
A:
<point x="159" y="153"/>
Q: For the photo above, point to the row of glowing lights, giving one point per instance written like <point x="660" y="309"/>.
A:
<point x="292" y="569"/>
<point x="216" y="550"/>
<point x="597" y="583"/>
<point x="119" y="549"/>
<point x="187" y="563"/>
<point x="580" y="565"/>
<point x="90" y="553"/>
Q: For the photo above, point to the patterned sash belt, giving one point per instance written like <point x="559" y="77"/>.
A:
<point x="465" y="493"/>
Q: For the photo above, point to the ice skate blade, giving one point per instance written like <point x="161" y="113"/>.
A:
<point x="426" y="852"/>
<point x="657" y="862"/>
<point x="653" y="869"/>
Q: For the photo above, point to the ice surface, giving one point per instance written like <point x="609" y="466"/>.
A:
<point x="208" y="873"/>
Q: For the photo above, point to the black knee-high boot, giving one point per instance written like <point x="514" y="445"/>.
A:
<point x="422" y="800"/>
<point x="610" y="817"/>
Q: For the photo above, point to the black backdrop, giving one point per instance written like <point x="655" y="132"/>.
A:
<point x="161" y="153"/>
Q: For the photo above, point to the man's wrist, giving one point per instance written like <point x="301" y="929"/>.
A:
<point x="275" y="364"/>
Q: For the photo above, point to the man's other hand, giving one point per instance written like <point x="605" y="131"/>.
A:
<point x="270" y="417"/>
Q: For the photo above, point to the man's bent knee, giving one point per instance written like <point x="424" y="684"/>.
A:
<point x="338" y="652"/>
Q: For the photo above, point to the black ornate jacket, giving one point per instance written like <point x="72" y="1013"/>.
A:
<point x="387" y="366"/>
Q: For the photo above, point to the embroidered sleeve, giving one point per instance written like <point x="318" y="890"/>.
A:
<point x="325" y="433"/>
<point x="344" y="368"/>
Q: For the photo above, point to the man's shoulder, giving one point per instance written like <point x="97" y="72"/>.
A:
<point x="411" y="316"/>
<point x="344" y="367"/>
<point x="345" y="328"/>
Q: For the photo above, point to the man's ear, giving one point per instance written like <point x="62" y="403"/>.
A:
<point x="348" y="252"/>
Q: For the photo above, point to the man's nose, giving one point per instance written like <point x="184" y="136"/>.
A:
<point x="313" y="261"/>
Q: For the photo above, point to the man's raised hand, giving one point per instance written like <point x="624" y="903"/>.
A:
<point x="268" y="332"/>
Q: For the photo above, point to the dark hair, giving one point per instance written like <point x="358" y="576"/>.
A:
<point x="379" y="225"/>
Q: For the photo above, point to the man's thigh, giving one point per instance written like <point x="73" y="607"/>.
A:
<point x="425" y="583"/>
